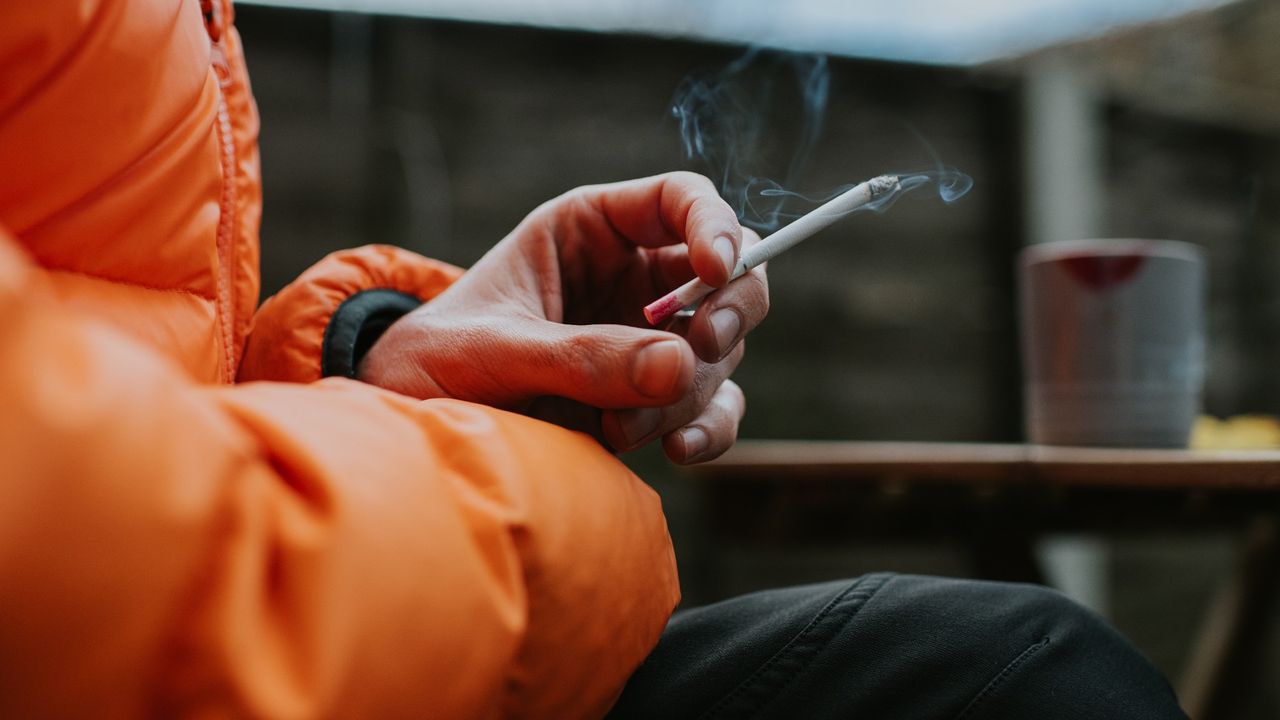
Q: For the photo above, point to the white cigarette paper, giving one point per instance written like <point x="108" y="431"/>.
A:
<point x="802" y="228"/>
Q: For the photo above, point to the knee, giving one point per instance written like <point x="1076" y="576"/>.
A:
<point x="1077" y="634"/>
<point x="991" y="611"/>
<point x="1041" y="653"/>
<point x="1039" y="610"/>
<point x="1005" y="619"/>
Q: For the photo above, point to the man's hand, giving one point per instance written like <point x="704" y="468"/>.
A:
<point x="550" y="321"/>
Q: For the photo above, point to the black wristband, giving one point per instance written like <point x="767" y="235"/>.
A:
<point x="357" y="323"/>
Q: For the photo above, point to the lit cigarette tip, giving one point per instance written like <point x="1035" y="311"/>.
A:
<point x="882" y="185"/>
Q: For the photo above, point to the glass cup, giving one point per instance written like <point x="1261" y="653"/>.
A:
<point x="1113" y="341"/>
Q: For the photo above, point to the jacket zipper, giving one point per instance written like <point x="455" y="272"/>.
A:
<point x="226" y="217"/>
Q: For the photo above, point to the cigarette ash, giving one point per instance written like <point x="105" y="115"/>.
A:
<point x="882" y="185"/>
<point x="949" y="183"/>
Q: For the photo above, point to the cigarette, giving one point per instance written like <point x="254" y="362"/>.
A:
<point x="802" y="228"/>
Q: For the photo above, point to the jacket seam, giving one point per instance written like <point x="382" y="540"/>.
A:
<point x="803" y="647"/>
<point x="999" y="679"/>
<point x="130" y="283"/>
<point x="226" y="232"/>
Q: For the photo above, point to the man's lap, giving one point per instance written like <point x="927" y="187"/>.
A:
<point x="895" y="646"/>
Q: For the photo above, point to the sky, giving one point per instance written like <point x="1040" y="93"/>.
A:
<point x="942" y="32"/>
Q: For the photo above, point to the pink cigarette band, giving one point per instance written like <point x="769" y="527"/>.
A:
<point x="658" y="311"/>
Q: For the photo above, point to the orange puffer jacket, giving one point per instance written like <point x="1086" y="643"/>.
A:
<point x="175" y="544"/>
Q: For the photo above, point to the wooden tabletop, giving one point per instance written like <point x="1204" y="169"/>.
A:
<point x="992" y="463"/>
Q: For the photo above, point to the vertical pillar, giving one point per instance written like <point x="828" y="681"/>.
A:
<point x="1065" y="182"/>
<point x="1063" y="154"/>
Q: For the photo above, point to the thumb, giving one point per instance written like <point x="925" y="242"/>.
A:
<point x="605" y="366"/>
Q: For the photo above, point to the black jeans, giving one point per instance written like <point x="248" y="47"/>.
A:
<point x="895" y="646"/>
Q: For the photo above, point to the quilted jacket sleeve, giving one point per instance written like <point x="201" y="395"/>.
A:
<point x="283" y="550"/>
<point x="321" y="324"/>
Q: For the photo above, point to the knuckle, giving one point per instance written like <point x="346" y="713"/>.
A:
<point x="574" y="198"/>
<point x="702" y="194"/>
<point x="713" y="215"/>
<point x="578" y="345"/>
<point x="692" y="180"/>
<point x="719" y="443"/>
<point x="701" y="212"/>
<point x="760" y="279"/>
<point x="709" y="378"/>
<point x="736" y="354"/>
<point x="736" y="397"/>
<point x="582" y="354"/>
<point x="756" y="295"/>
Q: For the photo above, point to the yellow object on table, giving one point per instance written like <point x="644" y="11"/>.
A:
<point x="1239" y="432"/>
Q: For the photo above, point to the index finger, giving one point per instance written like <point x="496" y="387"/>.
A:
<point x="725" y="316"/>
<point x="673" y="208"/>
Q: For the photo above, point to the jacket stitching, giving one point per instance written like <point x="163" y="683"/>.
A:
<point x="802" y="648"/>
<point x="999" y="679"/>
<point x="130" y="283"/>
<point x="226" y="227"/>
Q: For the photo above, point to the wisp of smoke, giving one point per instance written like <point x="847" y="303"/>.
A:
<point x="723" y="123"/>
<point x="950" y="184"/>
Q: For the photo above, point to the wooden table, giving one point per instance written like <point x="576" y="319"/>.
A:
<point x="1028" y="464"/>
<point x="996" y="499"/>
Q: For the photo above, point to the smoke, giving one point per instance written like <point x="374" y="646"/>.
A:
<point x="951" y="185"/>
<point x="724" y="122"/>
<point x="762" y="112"/>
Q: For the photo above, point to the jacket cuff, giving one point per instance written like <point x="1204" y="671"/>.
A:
<point x="357" y="324"/>
<point x="324" y="322"/>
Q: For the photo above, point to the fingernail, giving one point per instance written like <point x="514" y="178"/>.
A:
<point x="657" y="368"/>
<point x="637" y="425"/>
<point x="726" y="324"/>
<point x="695" y="441"/>
<point x="724" y="248"/>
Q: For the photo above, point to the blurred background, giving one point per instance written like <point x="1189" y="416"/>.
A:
<point x="438" y="125"/>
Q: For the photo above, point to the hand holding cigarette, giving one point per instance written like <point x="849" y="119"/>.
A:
<point x="802" y="228"/>
<point x="549" y="322"/>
